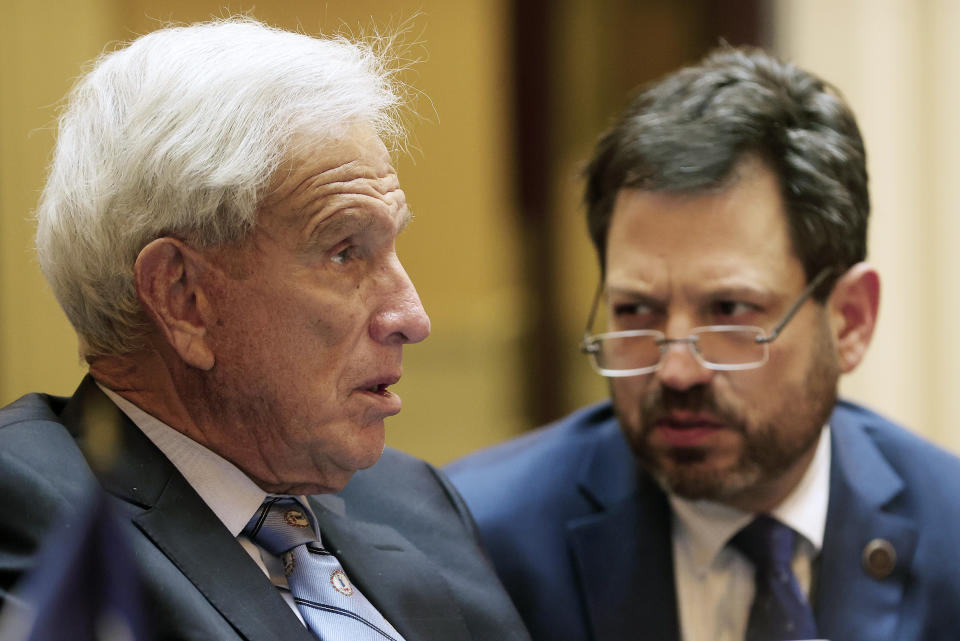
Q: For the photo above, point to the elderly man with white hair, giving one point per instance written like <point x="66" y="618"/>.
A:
<point x="219" y="225"/>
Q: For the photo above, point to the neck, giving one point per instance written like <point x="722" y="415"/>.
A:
<point x="144" y="379"/>
<point x="165" y="387"/>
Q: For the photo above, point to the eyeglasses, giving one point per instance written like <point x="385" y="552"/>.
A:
<point x="717" y="347"/>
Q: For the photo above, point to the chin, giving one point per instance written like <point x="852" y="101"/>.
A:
<point x="340" y="470"/>
<point x="367" y="448"/>
<point x="370" y="458"/>
<point x="328" y="479"/>
<point x="698" y="482"/>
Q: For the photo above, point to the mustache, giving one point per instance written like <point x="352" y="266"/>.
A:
<point x="700" y="399"/>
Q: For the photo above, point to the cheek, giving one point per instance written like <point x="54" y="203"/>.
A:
<point x="627" y="388"/>
<point x="629" y="394"/>
<point x="327" y="315"/>
<point x="777" y="389"/>
<point x="333" y="324"/>
<point x="298" y="316"/>
<point x="787" y="368"/>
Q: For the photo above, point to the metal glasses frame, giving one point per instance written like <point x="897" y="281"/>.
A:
<point x="590" y="343"/>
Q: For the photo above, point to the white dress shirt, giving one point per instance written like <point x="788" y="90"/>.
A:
<point x="226" y="490"/>
<point x="714" y="582"/>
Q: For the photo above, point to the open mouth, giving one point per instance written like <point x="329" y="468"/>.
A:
<point x="381" y="384"/>
<point x="379" y="397"/>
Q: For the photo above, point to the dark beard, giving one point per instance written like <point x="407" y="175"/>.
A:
<point x="770" y="447"/>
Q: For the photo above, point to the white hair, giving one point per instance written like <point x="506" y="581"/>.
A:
<point x="178" y="134"/>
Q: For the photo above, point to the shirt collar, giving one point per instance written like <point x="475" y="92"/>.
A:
<point x="706" y="526"/>
<point x="805" y="509"/>
<point x="230" y="493"/>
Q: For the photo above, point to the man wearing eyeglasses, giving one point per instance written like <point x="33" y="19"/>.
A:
<point x="725" y="493"/>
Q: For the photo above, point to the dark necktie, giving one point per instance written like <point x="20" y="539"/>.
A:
<point x="332" y="607"/>
<point x="780" y="611"/>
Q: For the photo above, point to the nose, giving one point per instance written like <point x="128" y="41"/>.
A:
<point x="680" y="369"/>
<point x="401" y="319"/>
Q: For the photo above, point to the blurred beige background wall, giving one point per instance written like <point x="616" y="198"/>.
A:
<point x="896" y="62"/>
<point x="514" y="94"/>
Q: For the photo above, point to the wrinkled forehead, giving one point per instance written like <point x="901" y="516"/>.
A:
<point x="319" y="163"/>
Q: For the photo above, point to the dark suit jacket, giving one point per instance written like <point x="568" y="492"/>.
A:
<point x="581" y="537"/>
<point x="400" y="530"/>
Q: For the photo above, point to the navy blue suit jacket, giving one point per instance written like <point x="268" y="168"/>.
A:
<point x="581" y="537"/>
<point x="400" y="530"/>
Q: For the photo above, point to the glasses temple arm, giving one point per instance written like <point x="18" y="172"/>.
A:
<point x="818" y="279"/>
<point x="584" y="345"/>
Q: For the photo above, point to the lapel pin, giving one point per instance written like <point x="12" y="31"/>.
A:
<point x="879" y="558"/>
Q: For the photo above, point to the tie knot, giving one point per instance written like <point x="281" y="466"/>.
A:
<point x="280" y="524"/>
<point x="767" y="542"/>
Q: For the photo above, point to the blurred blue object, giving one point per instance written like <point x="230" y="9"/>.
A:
<point x="84" y="586"/>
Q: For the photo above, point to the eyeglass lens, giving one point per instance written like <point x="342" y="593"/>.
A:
<point x="713" y="347"/>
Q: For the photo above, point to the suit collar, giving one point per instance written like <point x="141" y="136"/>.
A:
<point x="176" y="520"/>
<point x="198" y="543"/>
<point x="850" y="603"/>
<point x="128" y="465"/>
<point x="622" y="551"/>
<point x="608" y="474"/>
<point x="222" y="486"/>
<point x="394" y="575"/>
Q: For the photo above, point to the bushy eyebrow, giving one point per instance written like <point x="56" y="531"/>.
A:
<point x="721" y="292"/>
<point x="343" y="223"/>
<point x="352" y="221"/>
<point x="631" y="293"/>
<point x="735" y="292"/>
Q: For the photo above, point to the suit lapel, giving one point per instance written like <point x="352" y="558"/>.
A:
<point x="392" y="574"/>
<point x="623" y="552"/>
<point x="178" y="522"/>
<point x="195" y="540"/>
<point x="850" y="602"/>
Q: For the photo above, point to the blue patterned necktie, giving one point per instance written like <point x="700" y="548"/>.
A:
<point x="332" y="607"/>
<point x="780" y="611"/>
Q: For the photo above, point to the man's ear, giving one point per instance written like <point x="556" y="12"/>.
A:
<point x="853" y="306"/>
<point x="166" y="276"/>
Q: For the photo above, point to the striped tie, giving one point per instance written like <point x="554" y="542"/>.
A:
<point x="332" y="607"/>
